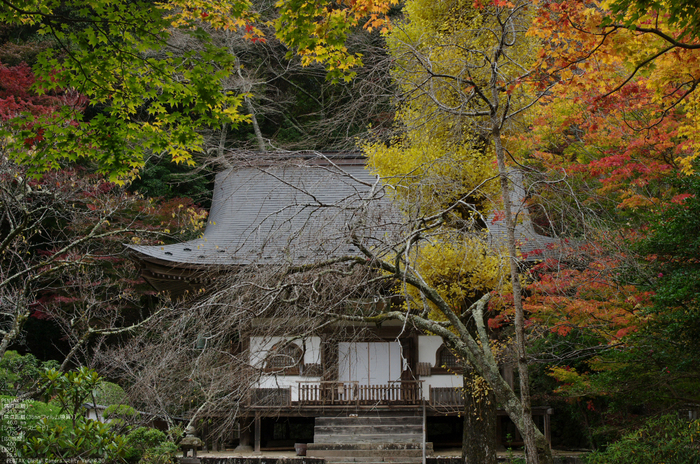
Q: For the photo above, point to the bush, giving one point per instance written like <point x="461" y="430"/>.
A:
<point x="161" y="454"/>
<point x="58" y="429"/>
<point x="85" y="440"/>
<point x="19" y="374"/>
<point x="664" y="439"/>
<point x="70" y="435"/>
<point x="108" y="393"/>
<point x="147" y="445"/>
<point x="22" y="420"/>
<point x="121" y="417"/>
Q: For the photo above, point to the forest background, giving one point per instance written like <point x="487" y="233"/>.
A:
<point x="115" y="115"/>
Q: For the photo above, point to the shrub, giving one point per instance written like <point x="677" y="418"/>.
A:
<point x="121" y="417"/>
<point x="86" y="439"/>
<point x="161" y="454"/>
<point x="19" y="373"/>
<point x="147" y="445"/>
<point x="108" y="393"/>
<point x="664" y="439"/>
<point x="70" y="435"/>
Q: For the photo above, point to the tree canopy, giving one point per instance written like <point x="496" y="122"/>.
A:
<point x="145" y="89"/>
<point x="593" y="103"/>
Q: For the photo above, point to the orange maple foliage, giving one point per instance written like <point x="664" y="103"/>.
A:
<point x="585" y="294"/>
<point x="622" y="121"/>
<point x="632" y="88"/>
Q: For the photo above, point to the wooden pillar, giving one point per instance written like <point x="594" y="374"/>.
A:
<point x="499" y="431"/>
<point x="257" y="433"/>
<point x="507" y="373"/>
<point x="409" y="347"/>
<point x="329" y="357"/>
<point x="547" y="429"/>
<point x="425" y="433"/>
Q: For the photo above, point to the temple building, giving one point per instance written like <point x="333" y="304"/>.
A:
<point x="380" y="387"/>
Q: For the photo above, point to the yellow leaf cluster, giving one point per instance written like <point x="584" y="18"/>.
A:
<point x="220" y="14"/>
<point x="430" y="168"/>
<point x="441" y="163"/>
<point x="441" y="61"/>
<point x="462" y="268"/>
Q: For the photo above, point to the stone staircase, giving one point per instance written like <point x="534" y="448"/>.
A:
<point x="369" y="438"/>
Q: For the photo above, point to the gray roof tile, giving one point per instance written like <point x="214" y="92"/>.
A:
<point x="291" y="211"/>
<point x="303" y="212"/>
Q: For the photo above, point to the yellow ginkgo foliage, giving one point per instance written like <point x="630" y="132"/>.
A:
<point x="462" y="268"/>
<point x="441" y="163"/>
<point x="450" y="84"/>
<point x="431" y="170"/>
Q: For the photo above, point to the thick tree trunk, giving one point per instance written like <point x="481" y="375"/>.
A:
<point x="479" y="434"/>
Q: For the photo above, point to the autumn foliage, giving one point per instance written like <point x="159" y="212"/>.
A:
<point x="596" y="102"/>
<point x="584" y="294"/>
<point x="618" y="132"/>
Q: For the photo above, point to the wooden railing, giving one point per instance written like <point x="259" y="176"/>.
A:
<point x="272" y="397"/>
<point x="352" y="393"/>
<point x="446" y="396"/>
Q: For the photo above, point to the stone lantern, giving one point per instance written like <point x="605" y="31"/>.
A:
<point x="190" y="442"/>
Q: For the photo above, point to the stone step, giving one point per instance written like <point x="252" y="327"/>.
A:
<point x="369" y="429"/>
<point x="369" y="439"/>
<point x="380" y="447"/>
<point x="382" y="413"/>
<point x="376" y="454"/>
<point x="344" y="438"/>
<point x="412" y="461"/>
<point x="394" y="458"/>
<point x="375" y="460"/>
<point x="369" y="453"/>
<point x="404" y="459"/>
<point x="368" y="420"/>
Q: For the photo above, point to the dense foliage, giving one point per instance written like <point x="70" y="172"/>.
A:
<point x="595" y="102"/>
<point x="666" y="439"/>
<point x="56" y="427"/>
<point x="612" y="149"/>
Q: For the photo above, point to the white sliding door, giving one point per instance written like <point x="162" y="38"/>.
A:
<point x="369" y="363"/>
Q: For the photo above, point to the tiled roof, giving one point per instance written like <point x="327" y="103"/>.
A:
<point x="296" y="211"/>
<point x="302" y="211"/>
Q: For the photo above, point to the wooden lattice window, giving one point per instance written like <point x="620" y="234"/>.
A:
<point x="446" y="361"/>
<point x="284" y="357"/>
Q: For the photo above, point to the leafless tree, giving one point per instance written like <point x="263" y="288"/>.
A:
<point x="61" y="258"/>
<point x="192" y="359"/>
